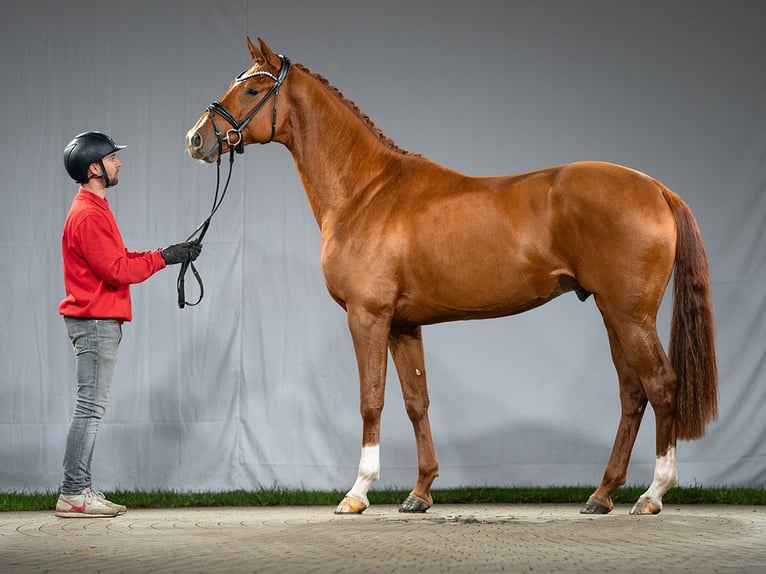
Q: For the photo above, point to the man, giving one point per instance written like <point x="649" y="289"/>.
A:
<point x="98" y="272"/>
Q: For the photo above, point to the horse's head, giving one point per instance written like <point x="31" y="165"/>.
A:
<point x="247" y="112"/>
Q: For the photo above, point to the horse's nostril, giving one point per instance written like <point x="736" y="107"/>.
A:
<point x="196" y="141"/>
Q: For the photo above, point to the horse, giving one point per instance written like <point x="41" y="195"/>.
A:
<point x="406" y="242"/>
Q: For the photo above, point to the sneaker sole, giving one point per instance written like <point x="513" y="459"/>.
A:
<point x="83" y="515"/>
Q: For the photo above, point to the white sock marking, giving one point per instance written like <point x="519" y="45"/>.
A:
<point x="665" y="476"/>
<point x="369" y="472"/>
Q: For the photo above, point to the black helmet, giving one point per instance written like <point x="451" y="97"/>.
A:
<point x="85" y="149"/>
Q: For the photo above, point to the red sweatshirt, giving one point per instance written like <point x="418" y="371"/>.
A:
<point x="98" y="269"/>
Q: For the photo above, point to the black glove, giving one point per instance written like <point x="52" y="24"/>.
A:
<point x="181" y="252"/>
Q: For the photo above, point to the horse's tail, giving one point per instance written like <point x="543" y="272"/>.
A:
<point x="692" y="337"/>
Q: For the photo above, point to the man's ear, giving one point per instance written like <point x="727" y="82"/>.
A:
<point x="95" y="169"/>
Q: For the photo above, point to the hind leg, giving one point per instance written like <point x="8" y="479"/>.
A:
<point x="407" y="351"/>
<point x="633" y="401"/>
<point x="645" y="374"/>
<point x="660" y="384"/>
<point x="662" y="392"/>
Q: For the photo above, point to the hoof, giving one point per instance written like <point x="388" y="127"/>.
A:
<point x="350" y="505"/>
<point x="414" y="504"/>
<point x="593" y="506"/>
<point x="645" y="506"/>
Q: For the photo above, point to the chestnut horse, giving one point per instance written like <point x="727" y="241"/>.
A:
<point x="407" y="242"/>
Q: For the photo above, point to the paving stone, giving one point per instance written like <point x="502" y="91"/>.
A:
<point x="447" y="538"/>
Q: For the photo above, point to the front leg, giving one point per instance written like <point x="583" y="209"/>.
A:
<point x="369" y="332"/>
<point x="407" y="351"/>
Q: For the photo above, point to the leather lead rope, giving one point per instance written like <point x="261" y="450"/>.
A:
<point x="199" y="233"/>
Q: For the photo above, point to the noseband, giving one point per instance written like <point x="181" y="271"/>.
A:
<point x="233" y="137"/>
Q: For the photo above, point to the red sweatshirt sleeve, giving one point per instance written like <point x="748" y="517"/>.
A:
<point x="100" y="243"/>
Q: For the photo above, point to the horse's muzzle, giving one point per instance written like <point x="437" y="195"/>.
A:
<point x="195" y="146"/>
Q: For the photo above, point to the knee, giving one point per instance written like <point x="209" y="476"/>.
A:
<point x="89" y="409"/>
<point x="417" y="408"/>
<point x="371" y="412"/>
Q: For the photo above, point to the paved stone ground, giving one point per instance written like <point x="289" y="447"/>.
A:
<point x="448" y="538"/>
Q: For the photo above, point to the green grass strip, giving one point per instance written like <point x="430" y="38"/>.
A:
<point x="16" y="501"/>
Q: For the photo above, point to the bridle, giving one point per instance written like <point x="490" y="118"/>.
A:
<point x="238" y="127"/>
<point x="236" y="144"/>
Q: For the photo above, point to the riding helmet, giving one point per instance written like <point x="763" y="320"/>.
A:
<point x="85" y="149"/>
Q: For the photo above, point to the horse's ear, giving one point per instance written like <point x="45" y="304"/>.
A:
<point x="255" y="54"/>
<point x="268" y="55"/>
<point x="263" y="55"/>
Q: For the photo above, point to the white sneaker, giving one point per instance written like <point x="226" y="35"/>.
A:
<point x="88" y="504"/>
<point x="118" y="507"/>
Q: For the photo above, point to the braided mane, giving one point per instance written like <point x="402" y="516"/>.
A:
<point x="352" y="106"/>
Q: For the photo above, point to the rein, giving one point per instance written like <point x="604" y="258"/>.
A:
<point x="236" y="144"/>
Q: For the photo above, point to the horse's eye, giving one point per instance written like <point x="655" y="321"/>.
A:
<point x="252" y="92"/>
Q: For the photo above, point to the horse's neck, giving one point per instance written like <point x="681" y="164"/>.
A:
<point x="337" y="155"/>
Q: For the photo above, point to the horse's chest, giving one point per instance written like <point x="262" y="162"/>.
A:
<point x="352" y="260"/>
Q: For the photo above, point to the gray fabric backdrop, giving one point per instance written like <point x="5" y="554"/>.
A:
<point x="257" y="386"/>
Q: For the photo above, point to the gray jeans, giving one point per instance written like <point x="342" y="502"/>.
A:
<point x="95" y="343"/>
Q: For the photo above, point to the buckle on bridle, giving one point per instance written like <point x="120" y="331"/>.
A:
<point x="238" y="144"/>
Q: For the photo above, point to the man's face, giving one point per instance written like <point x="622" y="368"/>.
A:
<point x="112" y="165"/>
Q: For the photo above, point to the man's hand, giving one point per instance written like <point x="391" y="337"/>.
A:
<point x="181" y="252"/>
